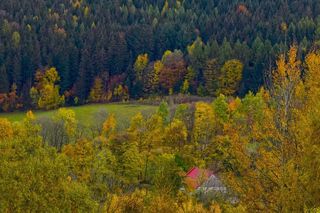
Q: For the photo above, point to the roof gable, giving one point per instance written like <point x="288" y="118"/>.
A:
<point x="196" y="177"/>
<point x="196" y="173"/>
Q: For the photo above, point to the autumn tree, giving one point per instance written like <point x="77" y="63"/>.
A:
<point x="311" y="80"/>
<point x="103" y="179"/>
<point x="268" y="137"/>
<point x="45" y="93"/>
<point x="10" y="101"/>
<point x="175" y="135"/>
<point x="140" y="64"/>
<point x="131" y="164"/>
<point x="68" y="118"/>
<point x="109" y="126"/>
<point x="81" y="155"/>
<point x="185" y="113"/>
<point x="173" y="71"/>
<point x="307" y="131"/>
<point x="229" y="78"/>
<point x="166" y="177"/>
<point x="29" y="171"/>
<point x="93" y="164"/>
<point x="121" y="93"/>
<point x="287" y="84"/>
<point x="185" y="87"/>
<point x="221" y="109"/>
<point x="203" y="129"/>
<point x="157" y="67"/>
<point x="245" y="150"/>
<point x="97" y="92"/>
<point x="61" y="129"/>
<point x="6" y="129"/>
<point x="147" y="135"/>
<point x="13" y="98"/>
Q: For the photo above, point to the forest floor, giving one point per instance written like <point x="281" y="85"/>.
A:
<point x="87" y="114"/>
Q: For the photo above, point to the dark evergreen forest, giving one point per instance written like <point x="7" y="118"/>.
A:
<point x="84" y="39"/>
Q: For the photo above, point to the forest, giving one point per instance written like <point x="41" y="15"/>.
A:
<point x="100" y="41"/>
<point x="262" y="151"/>
<point x="227" y="97"/>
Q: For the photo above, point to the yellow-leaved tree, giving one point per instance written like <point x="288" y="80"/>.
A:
<point x="147" y="136"/>
<point x="6" y="130"/>
<point x="45" y="93"/>
<point x="97" y="93"/>
<point x="140" y="64"/>
<point x="229" y="78"/>
<point x="269" y="145"/>
<point x="203" y="129"/>
<point x="34" y="177"/>
<point x="157" y="67"/>
<point x="175" y="135"/>
<point x="109" y="126"/>
<point x="81" y="155"/>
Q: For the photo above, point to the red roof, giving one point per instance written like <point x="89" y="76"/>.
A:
<point x="196" y="177"/>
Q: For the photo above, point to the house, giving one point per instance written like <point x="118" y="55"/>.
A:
<point x="207" y="185"/>
<point x="203" y="180"/>
<point x="196" y="177"/>
<point x="213" y="184"/>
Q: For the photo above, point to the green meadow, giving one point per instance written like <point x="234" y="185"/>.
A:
<point x="87" y="114"/>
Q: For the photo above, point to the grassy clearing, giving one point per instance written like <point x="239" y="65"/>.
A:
<point x="88" y="113"/>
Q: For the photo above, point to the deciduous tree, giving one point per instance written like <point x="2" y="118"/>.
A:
<point x="97" y="93"/>
<point x="230" y="77"/>
<point x="173" y="71"/>
<point x="46" y="91"/>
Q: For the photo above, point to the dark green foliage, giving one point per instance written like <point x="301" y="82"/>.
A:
<point x="109" y="36"/>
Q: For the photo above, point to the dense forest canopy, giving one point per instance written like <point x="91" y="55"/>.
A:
<point x="86" y="39"/>
<point x="238" y="123"/>
<point x="260" y="154"/>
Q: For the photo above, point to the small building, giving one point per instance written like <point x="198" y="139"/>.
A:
<point x="207" y="186"/>
<point x="213" y="184"/>
<point x="203" y="180"/>
<point x="196" y="177"/>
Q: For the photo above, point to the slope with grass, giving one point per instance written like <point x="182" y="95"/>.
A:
<point x="87" y="114"/>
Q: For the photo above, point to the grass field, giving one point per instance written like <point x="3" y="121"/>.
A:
<point x="88" y="113"/>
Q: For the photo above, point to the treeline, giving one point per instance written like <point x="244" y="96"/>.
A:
<point x="264" y="148"/>
<point x="86" y="39"/>
<point x="169" y="75"/>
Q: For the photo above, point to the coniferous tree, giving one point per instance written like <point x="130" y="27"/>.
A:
<point x="4" y="81"/>
<point x="211" y="75"/>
